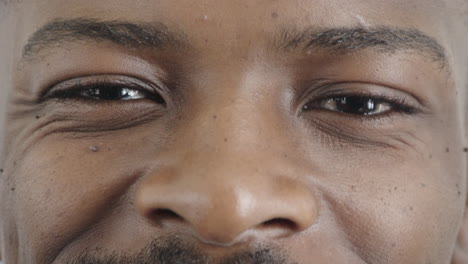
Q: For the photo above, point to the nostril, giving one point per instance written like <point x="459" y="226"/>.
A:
<point x="164" y="215"/>
<point x="281" y="223"/>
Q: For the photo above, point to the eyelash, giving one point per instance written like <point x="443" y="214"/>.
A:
<point x="398" y="105"/>
<point x="74" y="91"/>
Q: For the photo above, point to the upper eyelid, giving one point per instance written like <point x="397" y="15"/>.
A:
<point x="322" y="86"/>
<point x="394" y="111"/>
<point x="327" y="88"/>
<point x="86" y="82"/>
<point x="378" y="98"/>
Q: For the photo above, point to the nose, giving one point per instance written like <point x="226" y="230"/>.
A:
<point x="224" y="203"/>
<point x="227" y="179"/>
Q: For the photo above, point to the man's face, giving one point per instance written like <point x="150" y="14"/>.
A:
<point x="162" y="131"/>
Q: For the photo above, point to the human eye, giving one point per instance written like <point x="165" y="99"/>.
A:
<point x="111" y="92"/>
<point x="99" y="103"/>
<point x="360" y="105"/>
<point x="362" y="101"/>
<point x="106" y="89"/>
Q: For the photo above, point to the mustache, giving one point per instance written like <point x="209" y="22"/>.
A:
<point x="176" y="251"/>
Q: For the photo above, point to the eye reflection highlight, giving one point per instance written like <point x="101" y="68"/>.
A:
<point x="355" y="105"/>
<point x="113" y="93"/>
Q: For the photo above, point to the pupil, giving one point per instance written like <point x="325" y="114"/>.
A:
<point x="109" y="93"/>
<point x="355" y="105"/>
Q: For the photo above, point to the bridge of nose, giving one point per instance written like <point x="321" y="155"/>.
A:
<point x="225" y="173"/>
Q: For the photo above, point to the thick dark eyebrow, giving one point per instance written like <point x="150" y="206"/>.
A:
<point x="332" y="40"/>
<point x="131" y="35"/>
<point x="347" y="40"/>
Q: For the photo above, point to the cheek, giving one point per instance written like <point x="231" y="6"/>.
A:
<point x="62" y="187"/>
<point x="401" y="212"/>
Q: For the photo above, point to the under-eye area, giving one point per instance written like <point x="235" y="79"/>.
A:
<point x="102" y="103"/>
<point x="363" y="116"/>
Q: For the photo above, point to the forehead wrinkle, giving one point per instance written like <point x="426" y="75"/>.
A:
<point x="131" y="35"/>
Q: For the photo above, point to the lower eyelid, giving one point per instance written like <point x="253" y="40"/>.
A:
<point x="87" y="117"/>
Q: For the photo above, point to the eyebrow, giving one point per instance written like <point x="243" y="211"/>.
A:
<point x="339" y="41"/>
<point x="122" y="33"/>
<point x="345" y="40"/>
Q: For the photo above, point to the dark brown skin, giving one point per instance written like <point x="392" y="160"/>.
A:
<point x="232" y="163"/>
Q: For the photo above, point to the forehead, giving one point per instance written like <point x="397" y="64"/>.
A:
<point x="230" y="9"/>
<point x="238" y="20"/>
<point x="240" y="28"/>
